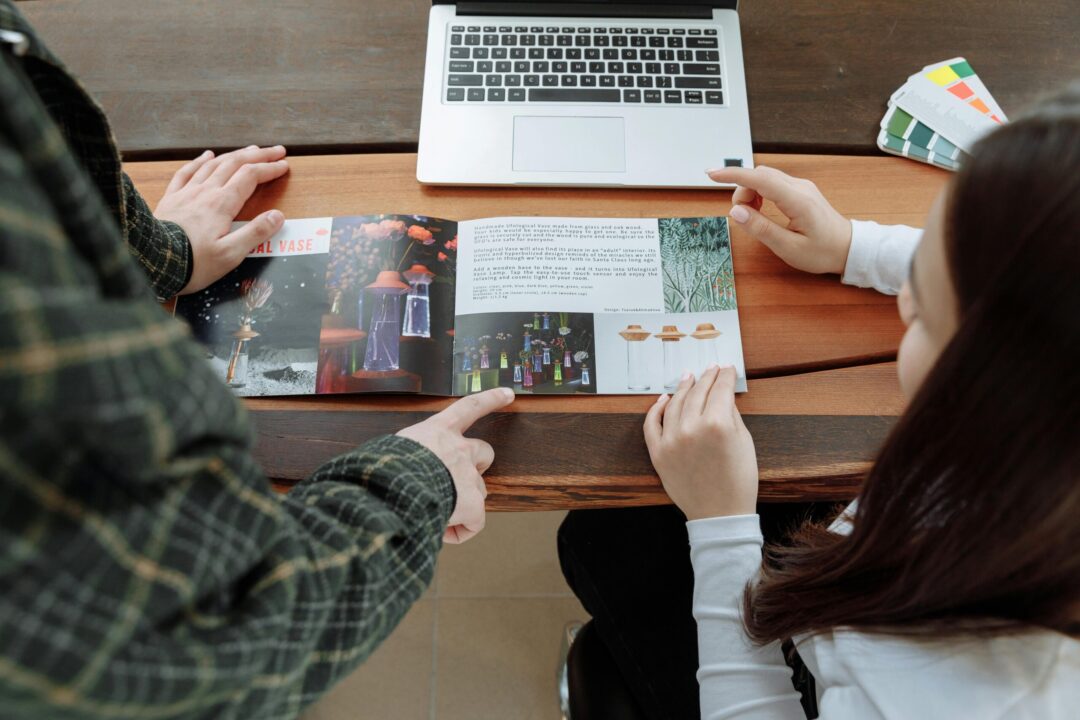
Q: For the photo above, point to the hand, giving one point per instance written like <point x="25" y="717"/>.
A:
<point x="816" y="239"/>
<point x="465" y="458"/>
<point x="701" y="449"/>
<point x="204" y="197"/>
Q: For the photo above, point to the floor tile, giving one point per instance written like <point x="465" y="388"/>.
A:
<point x="515" y="555"/>
<point x="394" y="683"/>
<point x="496" y="658"/>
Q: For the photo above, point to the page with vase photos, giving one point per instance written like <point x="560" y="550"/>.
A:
<point x="354" y="304"/>
<point x="555" y="306"/>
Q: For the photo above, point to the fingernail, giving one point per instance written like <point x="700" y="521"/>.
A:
<point x="710" y="171"/>
<point x="740" y="214"/>
<point x="712" y="366"/>
<point x="279" y="148"/>
<point x="276" y="217"/>
<point x="206" y="153"/>
<point x="686" y="376"/>
<point x="662" y="399"/>
<point x="507" y="393"/>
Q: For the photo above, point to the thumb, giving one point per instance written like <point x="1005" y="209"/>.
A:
<point x="242" y="240"/>
<point x="462" y="414"/>
<point x="778" y="239"/>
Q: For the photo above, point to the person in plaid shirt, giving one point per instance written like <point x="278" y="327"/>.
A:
<point x="148" y="569"/>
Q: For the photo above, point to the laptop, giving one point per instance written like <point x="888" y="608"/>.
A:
<point x="610" y="93"/>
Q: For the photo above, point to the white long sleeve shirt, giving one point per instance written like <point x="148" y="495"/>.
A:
<point x="862" y="676"/>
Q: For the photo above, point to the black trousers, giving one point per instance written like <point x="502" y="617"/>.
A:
<point x="630" y="568"/>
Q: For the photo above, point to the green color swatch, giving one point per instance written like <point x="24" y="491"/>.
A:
<point x="920" y="135"/>
<point x="962" y="69"/>
<point x="899" y="122"/>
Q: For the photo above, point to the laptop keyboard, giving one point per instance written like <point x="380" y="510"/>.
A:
<point x="583" y="64"/>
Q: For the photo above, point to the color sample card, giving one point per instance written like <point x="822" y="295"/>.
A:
<point x="939" y="114"/>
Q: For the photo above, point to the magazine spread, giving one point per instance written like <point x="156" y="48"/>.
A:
<point x="415" y="304"/>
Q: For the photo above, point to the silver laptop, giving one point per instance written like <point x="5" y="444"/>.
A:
<point x="608" y="93"/>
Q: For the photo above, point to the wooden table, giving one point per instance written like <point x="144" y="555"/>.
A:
<point x="819" y="355"/>
<point x="176" y="76"/>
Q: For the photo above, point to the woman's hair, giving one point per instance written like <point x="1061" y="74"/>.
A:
<point x="969" y="520"/>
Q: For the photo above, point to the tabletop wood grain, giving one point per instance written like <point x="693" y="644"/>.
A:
<point x="176" y="76"/>
<point x="823" y="391"/>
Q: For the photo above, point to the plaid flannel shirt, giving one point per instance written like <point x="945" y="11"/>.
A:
<point x="148" y="569"/>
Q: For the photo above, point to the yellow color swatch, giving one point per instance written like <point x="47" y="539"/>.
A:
<point x="943" y="75"/>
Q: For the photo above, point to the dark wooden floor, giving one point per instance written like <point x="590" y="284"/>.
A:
<point x="345" y="75"/>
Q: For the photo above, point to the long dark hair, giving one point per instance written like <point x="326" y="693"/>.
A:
<point x="969" y="521"/>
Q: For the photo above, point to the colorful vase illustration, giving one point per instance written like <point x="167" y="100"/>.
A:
<point x="517" y="373"/>
<point x="558" y="373"/>
<point x="504" y="363"/>
<point x="418" y="302"/>
<point x="528" y="378"/>
<point x="384" y="333"/>
<point x="586" y="380"/>
<point x="673" y="361"/>
<point x="485" y="358"/>
<point x="637" y="371"/>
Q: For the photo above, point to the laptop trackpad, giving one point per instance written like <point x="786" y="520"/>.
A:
<point x="569" y="144"/>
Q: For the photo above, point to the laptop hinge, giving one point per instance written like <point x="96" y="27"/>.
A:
<point x="557" y="9"/>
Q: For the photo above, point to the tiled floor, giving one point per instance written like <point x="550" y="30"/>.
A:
<point x="482" y="644"/>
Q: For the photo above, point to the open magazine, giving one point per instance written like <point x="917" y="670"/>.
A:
<point x="415" y="304"/>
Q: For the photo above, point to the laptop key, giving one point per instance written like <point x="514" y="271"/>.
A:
<point x="647" y="54"/>
<point x="517" y="53"/>
<point x="601" y="41"/>
<point x="536" y="53"/>
<point x="635" y="67"/>
<point x="577" y="67"/>
<point x="611" y="54"/>
<point x="592" y="54"/>
<point x="480" y="53"/>
<point x="667" y="55"/>
<point x="496" y="95"/>
<point x="583" y="40"/>
<point x="464" y="80"/>
<point x="695" y="31"/>
<point x="596" y="67"/>
<point x="527" y="40"/>
<point x="458" y="28"/>
<point x="652" y="68"/>
<point x="607" y="81"/>
<point x="485" y="66"/>
<point x="684" y="55"/>
<point x="702" y="42"/>
<point x="702" y="83"/>
<point x="532" y="80"/>
<point x="476" y="94"/>
<point x="626" y="81"/>
<point x="573" y="53"/>
<point x="559" y="67"/>
<point x="491" y="40"/>
<point x="637" y="41"/>
<point x="551" y="80"/>
<point x="568" y="80"/>
<point x="461" y="66"/>
<point x="509" y="39"/>
<point x="521" y="66"/>
<point x="620" y="41"/>
<point x="554" y="54"/>
<point x="459" y="52"/>
<point x="656" y="42"/>
<point x="493" y="80"/>
<point x="714" y="97"/>
<point x="547" y="40"/>
<point x="564" y="40"/>
<point x="644" y="81"/>
<point x="663" y="81"/>
<point x="512" y="80"/>
<point x="498" y="53"/>
<point x="455" y="93"/>
<point x="710" y="31"/>
<point x="541" y="66"/>
<point x="455" y="40"/>
<point x="701" y="69"/>
<point x="674" y="42"/>
<point x="671" y="68"/>
<point x="629" y="54"/>
<point x="503" y="67"/>
<point x="652" y="96"/>
<point x="615" y="68"/>
<point x="472" y="39"/>
<point x="693" y="97"/>
<point x="707" y="56"/>
<point x="672" y="96"/>
<point x="631" y="96"/>
<point x="581" y="95"/>
<point x="474" y="28"/>
<point x="588" y="81"/>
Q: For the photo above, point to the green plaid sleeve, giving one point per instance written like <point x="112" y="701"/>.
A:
<point x="148" y="569"/>
<point x="161" y="248"/>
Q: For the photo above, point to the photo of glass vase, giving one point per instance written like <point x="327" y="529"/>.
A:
<point x="673" y="360"/>
<point x="547" y="356"/>
<point x="517" y="373"/>
<point x="546" y="321"/>
<point x="237" y="372"/>
<point x="637" y="371"/>
<point x="567" y="359"/>
<point x="538" y="362"/>
<point x="558" y="373"/>
<point x="536" y="321"/>
<point x="384" y="331"/>
<point x="528" y="342"/>
<point x="477" y="384"/>
<point x="485" y="358"/>
<point x="418" y="302"/>
<point x="504" y="362"/>
<point x="586" y="379"/>
<point x="707" y="350"/>
<point x="528" y="377"/>
<point x="466" y="362"/>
